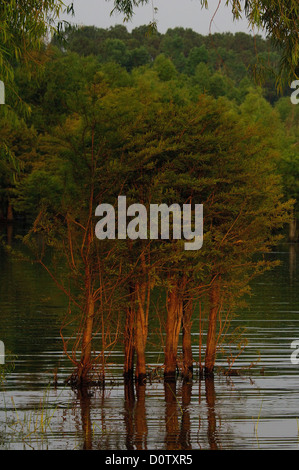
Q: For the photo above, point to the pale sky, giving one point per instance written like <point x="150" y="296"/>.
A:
<point x="171" y="13"/>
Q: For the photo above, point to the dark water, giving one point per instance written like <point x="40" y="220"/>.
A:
<point x="257" y="411"/>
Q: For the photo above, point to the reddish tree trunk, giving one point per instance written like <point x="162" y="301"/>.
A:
<point x="187" y="343"/>
<point x="141" y="333"/>
<point x="85" y="363"/>
<point x="211" y="346"/>
<point x="129" y="341"/>
<point x="173" y="326"/>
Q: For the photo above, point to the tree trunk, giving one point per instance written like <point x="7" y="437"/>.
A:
<point x="85" y="364"/>
<point x="211" y="346"/>
<point x="129" y="341"/>
<point x="293" y="231"/>
<point x="141" y="333"/>
<point x="9" y="216"/>
<point x="173" y="326"/>
<point x="2" y="214"/>
<point x="187" y="344"/>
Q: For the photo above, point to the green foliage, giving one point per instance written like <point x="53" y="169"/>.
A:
<point x="24" y="25"/>
<point x="278" y="18"/>
<point x="17" y="150"/>
<point x="165" y="68"/>
<point x="289" y="138"/>
<point x="196" y="56"/>
<point x="150" y="141"/>
<point x="237" y="56"/>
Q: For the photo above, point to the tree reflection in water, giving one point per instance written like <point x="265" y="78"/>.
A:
<point x="212" y="422"/>
<point x="129" y="414"/>
<point x="85" y="398"/>
<point x="171" y="416"/>
<point x="135" y="416"/>
<point x="177" y="420"/>
<point x="185" y="432"/>
<point x="140" y="419"/>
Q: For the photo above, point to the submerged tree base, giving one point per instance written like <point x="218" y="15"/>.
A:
<point x="187" y="373"/>
<point x="170" y="376"/>
<point x="128" y="376"/>
<point x="92" y="379"/>
<point x="140" y="379"/>
<point x="79" y="381"/>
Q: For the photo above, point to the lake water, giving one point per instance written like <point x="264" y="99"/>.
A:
<point x="256" y="411"/>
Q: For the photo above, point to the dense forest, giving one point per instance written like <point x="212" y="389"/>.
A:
<point x="160" y="118"/>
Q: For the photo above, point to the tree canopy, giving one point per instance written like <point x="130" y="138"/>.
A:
<point x="24" y="26"/>
<point x="278" y="18"/>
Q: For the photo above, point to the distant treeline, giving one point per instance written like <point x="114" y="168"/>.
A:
<point x="237" y="56"/>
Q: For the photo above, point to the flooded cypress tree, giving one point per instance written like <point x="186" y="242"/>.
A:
<point x="180" y="153"/>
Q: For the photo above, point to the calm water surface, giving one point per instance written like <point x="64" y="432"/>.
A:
<point x="260" y="411"/>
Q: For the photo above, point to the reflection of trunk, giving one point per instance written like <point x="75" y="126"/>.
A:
<point x="212" y="423"/>
<point x="129" y="413"/>
<point x="212" y="329"/>
<point x="85" y="417"/>
<point x="187" y="345"/>
<point x="200" y="342"/>
<point x="85" y="364"/>
<point x="173" y="326"/>
<point x="140" y="419"/>
<point x="199" y="402"/>
<point x="171" y="416"/>
<point x="293" y="230"/>
<point x="129" y="341"/>
<point x="185" y="438"/>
